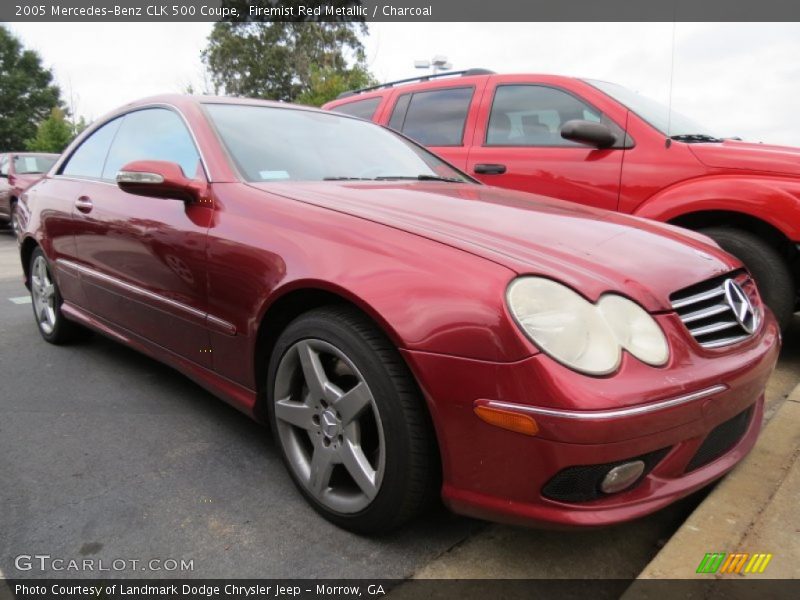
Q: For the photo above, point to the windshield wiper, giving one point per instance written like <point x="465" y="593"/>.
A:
<point x="695" y="138"/>
<point x="420" y="178"/>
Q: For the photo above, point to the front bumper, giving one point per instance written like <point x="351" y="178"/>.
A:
<point x="495" y="474"/>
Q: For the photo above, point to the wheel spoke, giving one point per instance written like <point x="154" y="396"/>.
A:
<point x="321" y="469"/>
<point x="48" y="291"/>
<point x="356" y="463"/>
<point x="314" y="374"/>
<point x="296" y="413"/>
<point x="42" y="271"/>
<point x="351" y="403"/>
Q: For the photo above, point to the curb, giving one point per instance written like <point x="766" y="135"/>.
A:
<point x="740" y="507"/>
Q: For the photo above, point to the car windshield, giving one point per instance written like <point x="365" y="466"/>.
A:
<point x="33" y="165"/>
<point x="286" y="144"/>
<point x="677" y="126"/>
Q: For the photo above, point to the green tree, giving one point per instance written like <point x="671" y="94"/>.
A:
<point x="55" y="133"/>
<point x="285" y="60"/>
<point x="326" y="84"/>
<point x="27" y="92"/>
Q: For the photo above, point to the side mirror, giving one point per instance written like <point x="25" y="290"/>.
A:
<point x="159" y="179"/>
<point x="589" y="133"/>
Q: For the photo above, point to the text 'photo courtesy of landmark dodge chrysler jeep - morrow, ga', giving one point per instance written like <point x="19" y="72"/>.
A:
<point x="600" y="144"/>
<point x="408" y="332"/>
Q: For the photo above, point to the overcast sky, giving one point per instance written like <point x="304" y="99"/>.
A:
<point x="736" y="78"/>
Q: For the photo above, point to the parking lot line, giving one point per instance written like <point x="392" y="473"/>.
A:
<point x="20" y="300"/>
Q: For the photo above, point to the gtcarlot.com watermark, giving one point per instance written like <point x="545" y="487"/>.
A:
<point x="46" y="562"/>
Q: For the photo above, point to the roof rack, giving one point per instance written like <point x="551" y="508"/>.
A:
<point x="466" y="73"/>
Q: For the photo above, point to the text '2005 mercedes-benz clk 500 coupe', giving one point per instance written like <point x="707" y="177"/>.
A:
<point x="407" y="332"/>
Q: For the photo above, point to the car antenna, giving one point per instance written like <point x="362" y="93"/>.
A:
<point x="668" y="141"/>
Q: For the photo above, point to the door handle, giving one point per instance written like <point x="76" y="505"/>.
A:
<point x="490" y="169"/>
<point x="84" y="204"/>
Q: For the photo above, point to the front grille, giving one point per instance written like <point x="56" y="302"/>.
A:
<point x="721" y="439"/>
<point x="708" y="316"/>
<point x="582" y="483"/>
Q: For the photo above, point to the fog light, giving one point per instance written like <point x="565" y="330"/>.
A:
<point x="622" y="476"/>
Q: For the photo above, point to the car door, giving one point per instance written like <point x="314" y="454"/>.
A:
<point x="143" y="259"/>
<point x="518" y="145"/>
<point x="5" y="188"/>
<point x="441" y="118"/>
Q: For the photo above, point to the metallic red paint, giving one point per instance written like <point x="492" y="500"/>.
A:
<point x="195" y="285"/>
<point x="696" y="185"/>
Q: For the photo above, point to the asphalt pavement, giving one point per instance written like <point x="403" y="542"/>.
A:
<point x="108" y="455"/>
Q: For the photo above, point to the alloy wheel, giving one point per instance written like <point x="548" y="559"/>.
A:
<point x="44" y="295"/>
<point x="329" y="426"/>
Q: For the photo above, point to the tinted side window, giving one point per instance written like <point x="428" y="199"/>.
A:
<point x="363" y="109"/>
<point x="399" y="113"/>
<point x="89" y="158"/>
<point x="532" y="115"/>
<point x="152" y="134"/>
<point x="436" y="118"/>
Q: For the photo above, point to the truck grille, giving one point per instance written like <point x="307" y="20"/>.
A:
<point x="708" y="314"/>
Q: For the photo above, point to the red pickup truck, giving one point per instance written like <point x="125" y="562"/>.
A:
<point x="600" y="144"/>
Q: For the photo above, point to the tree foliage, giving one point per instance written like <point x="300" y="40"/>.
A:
<point x="55" y="132"/>
<point x="27" y="92"/>
<point x="287" y="61"/>
<point x="326" y="84"/>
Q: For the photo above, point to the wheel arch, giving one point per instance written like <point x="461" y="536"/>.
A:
<point x="289" y="304"/>
<point x="299" y="300"/>
<point x="768" y="232"/>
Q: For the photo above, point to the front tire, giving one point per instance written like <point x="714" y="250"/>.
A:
<point x="768" y="268"/>
<point x="350" y="423"/>
<point x="47" y="301"/>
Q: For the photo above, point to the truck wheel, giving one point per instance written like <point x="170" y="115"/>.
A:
<point x="768" y="268"/>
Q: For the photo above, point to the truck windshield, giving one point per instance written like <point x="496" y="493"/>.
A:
<point x="288" y="144"/>
<point x="677" y="126"/>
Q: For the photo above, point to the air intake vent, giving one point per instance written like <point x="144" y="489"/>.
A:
<point x="719" y="312"/>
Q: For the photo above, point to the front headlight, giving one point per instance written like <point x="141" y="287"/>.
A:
<point x="584" y="336"/>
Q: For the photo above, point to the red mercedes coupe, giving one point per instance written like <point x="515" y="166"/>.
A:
<point x="406" y="331"/>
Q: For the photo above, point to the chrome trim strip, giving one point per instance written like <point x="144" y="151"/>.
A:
<point x="725" y="341"/>
<point x="222" y="325"/>
<point x="716" y="309"/>
<point x="713" y="328"/>
<point x="698" y="298"/>
<point x="216" y="322"/>
<point x="599" y="415"/>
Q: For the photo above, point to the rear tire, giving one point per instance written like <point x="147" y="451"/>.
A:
<point x="775" y="282"/>
<point x="47" y="301"/>
<point x="368" y="464"/>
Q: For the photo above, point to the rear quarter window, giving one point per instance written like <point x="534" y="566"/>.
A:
<point x="363" y="109"/>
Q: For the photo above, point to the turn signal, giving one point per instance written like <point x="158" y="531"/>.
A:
<point x="507" y="419"/>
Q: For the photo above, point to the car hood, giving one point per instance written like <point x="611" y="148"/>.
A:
<point x="746" y="156"/>
<point x="594" y="251"/>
